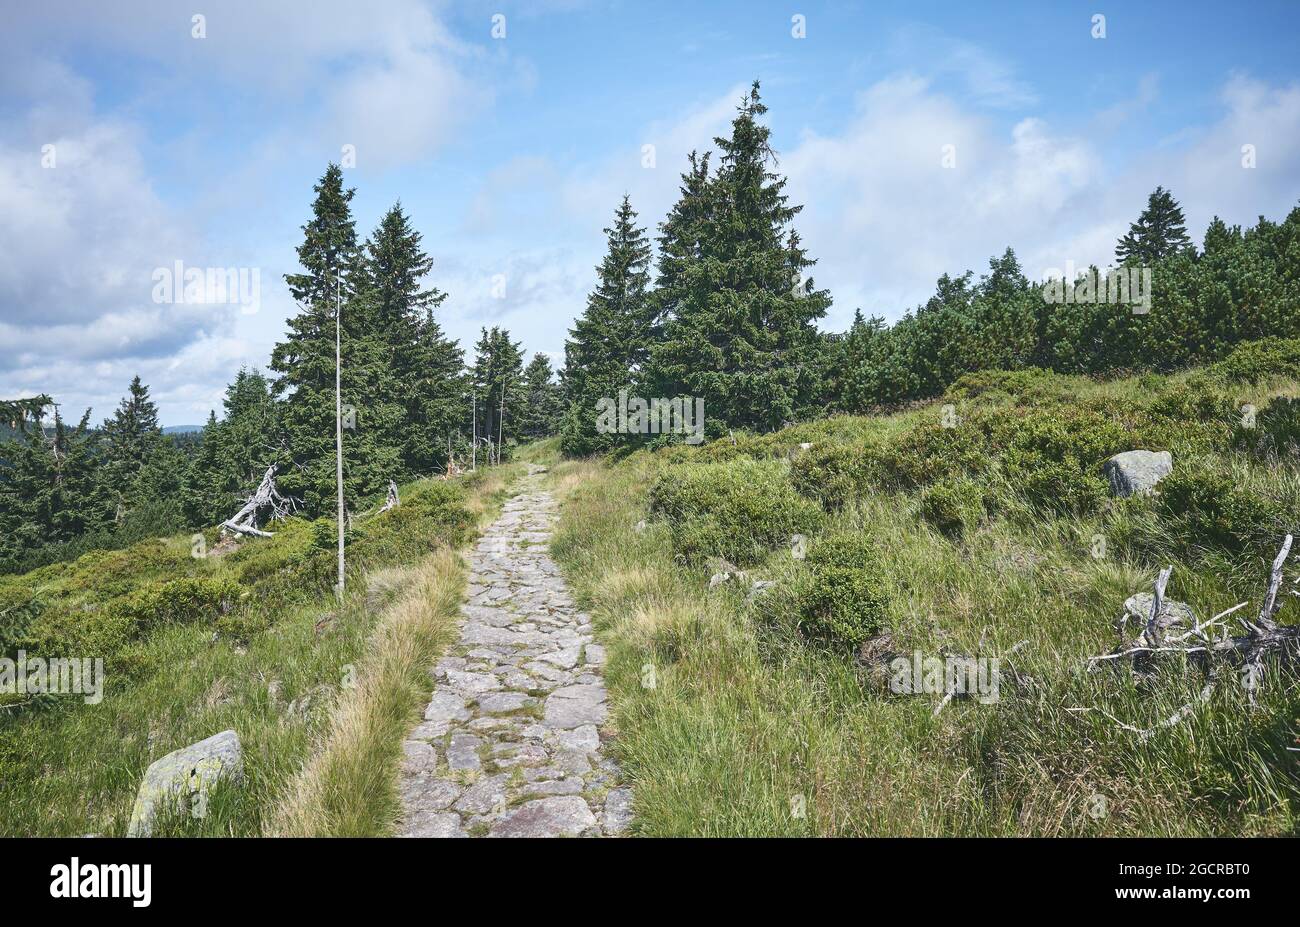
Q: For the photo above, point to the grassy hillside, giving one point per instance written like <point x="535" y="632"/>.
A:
<point x="979" y="524"/>
<point x="248" y="636"/>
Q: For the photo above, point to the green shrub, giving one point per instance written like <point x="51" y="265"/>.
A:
<point x="1060" y="486"/>
<point x="1027" y="384"/>
<point x="835" y="474"/>
<point x="1276" y="429"/>
<point x="1207" y="509"/>
<point x="736" y="510"/>
<point x="1254" y="361"/>
<point x="324" y="534"/>
<point x="1196" y="399"/>
<point x="101" y="630"/>
<point x="952" y="506"/>
<point x="842" y="596"/>
<point x="932" y="452"/>
<point x="1088" y="435"/>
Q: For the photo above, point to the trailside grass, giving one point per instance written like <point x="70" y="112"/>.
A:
<point x="728" y="722"/>
<point x="283" y="663"/>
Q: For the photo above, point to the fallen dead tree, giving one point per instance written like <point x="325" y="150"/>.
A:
<point x="1167" y="633"/>
<point x="266" y="497"/>
<point x="393" y="500"/>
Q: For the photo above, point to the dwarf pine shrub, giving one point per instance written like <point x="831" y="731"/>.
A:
<point x="952" y="506"/>
<point x="737" y="510"/>
<point x="836" y="474"/>
<point x="842" y="596"/>
<point x="1253" y="361"/>
<point x="1209" y="509"/>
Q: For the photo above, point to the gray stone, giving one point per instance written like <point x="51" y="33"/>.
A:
<point x="574" y="706"/>
<point x="557" y="787"/>
<point x="501" y="703"/>
<point x="560" y="816"/>
<point x="1137" y="471"/>
<point x="444" y="824"/>
<point x="418" y="758"/>
<point x="429" y="794"/>
<point x="183" y="773"/>
<point x="463" y="752"/>
<point x="618" y="810"/>
<point x="523" y="755"/>
<point x="484" y="796"/>
<point x="446" y="706"/>
<point x="565" y="657"/>
<point x="585" y="737"/>
<point x="1138" y="607"/>
<point x="473" y="683"/>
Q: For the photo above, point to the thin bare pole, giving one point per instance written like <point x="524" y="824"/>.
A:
<point x="473" y="438"/>
<point x="501" y="421"/>
<point x="338" y="419"/>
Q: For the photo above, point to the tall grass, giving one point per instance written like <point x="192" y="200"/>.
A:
<point x="279" y="669"/>
<point x="730" y="722"/>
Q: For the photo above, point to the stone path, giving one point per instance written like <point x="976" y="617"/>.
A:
<point x="510" y="743"/>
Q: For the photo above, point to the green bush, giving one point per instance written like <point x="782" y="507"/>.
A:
<point x="1276" y="429"/>
<point x="1061" y="486"/>
<point x="931" y="452"/>
<point x="1206" y="509"/>
<point x="1028" y="384"/>
<point x="1088" y="434"/>
<point x="1196" y="399"/>
<point x="842" y="595"/>
<point x="835" y="474"/>
<point x="1254" y="361"/>
<point x="736" y="510"/>
<point x="953" y="506"/>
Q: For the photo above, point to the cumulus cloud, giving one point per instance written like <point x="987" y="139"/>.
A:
<point x="885" y="218"/>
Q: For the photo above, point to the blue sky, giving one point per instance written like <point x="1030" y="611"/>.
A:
<point x="511" y="153"/>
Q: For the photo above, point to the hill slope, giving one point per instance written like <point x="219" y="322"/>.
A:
<point x="978" y="525"/>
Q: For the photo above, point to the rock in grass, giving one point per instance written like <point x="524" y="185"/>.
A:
<point x="192" y="770"/>
<point x="1137" y="471"/>
<point x="1138" y="608"/>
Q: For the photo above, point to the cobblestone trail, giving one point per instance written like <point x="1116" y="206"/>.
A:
<point x="510" y="743"/>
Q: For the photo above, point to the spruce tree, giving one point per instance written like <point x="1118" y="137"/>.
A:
<point x="609" y="344"/>
<point x="132" y="439"/>
<point x="1159" y="232"/>
<point x="335" y="273"/>
<point x="496" y="381"/>
<point x="235" y="451"/>
<point x="740" y="319"/>
<point x="542" y="406"/>
<point x="426" y="366"/>
<point x="50" y="490"/>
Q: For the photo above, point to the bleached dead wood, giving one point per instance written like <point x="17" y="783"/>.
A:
<point x="393" y="500"/>
<point x="1211" y="642"/>
<point x="265" y="497"/>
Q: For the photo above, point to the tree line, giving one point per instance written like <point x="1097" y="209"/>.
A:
<point x="726" y="310"/>
<point x="412" y="407"/>
<point x="720" y="304"/>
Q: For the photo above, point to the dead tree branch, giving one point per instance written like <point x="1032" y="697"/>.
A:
<point x="266" y="497"/>
<point x="1211" y="642"/>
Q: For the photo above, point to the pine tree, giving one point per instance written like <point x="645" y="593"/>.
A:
<point x="540" y="414"/>
<point x="496" y="380"/>
<point x="426" y="367"/>
<point x="335" y="273"/>
<point x="1159" y="232"/>
<point x="1218" y="237"/>
<point x="609" y="344"/>
<point x="739" y="328"/>
<point x="132" y="439"/>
